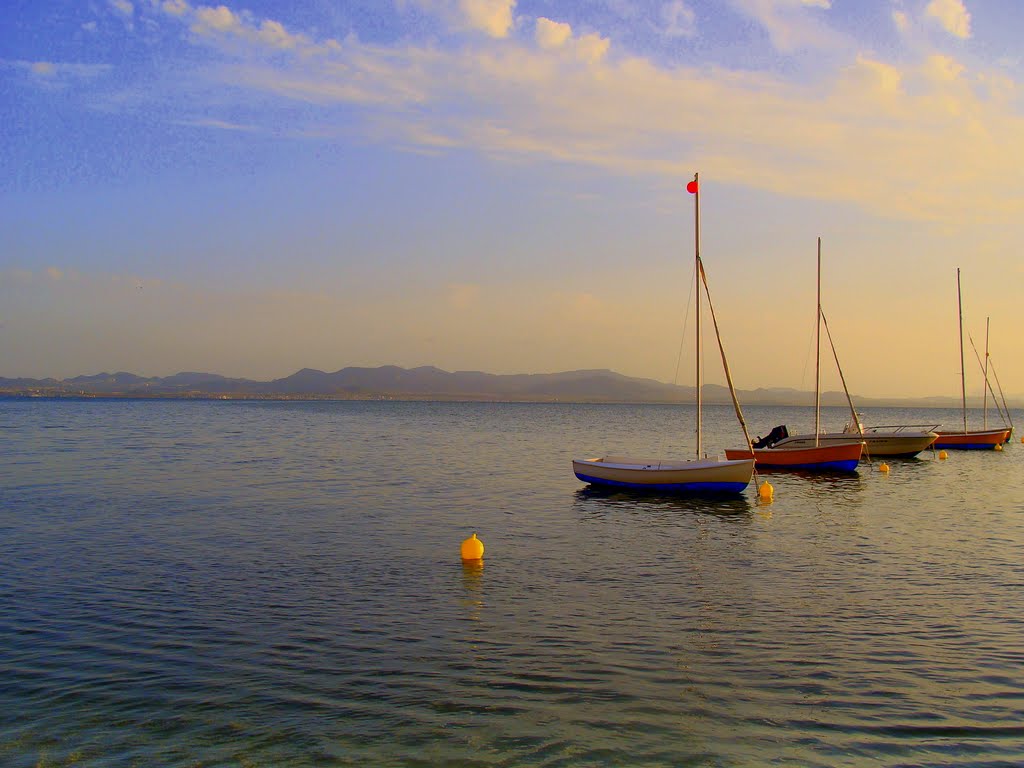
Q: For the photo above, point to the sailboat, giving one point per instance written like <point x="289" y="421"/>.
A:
<point x="836" y="456"/>
<point x="966" y="439"/>
<point x="989" y="365"/>
<point x="701" y="476"/>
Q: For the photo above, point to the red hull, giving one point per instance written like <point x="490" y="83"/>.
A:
<point x="840" y="456"/>
<point x="980" y="439"/>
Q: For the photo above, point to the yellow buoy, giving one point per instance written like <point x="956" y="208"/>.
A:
<point x="766" y="491"/>
<point x="943" y="455"/>
<point x="999" y="446"/>
<point x="883" y="467"/>
<point x="472" y="548"/>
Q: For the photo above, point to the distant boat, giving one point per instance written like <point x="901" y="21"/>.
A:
<point x="700" y="477"/>
<point x="773" y="453"/>
<point x="970" y="439"/>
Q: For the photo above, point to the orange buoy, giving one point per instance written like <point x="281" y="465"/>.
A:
<point x="472" y="548"/>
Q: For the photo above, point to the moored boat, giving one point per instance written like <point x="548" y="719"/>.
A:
<point x="974" y="439"/>
<point x="701" y="476"/>
<point x="838" y="457"/>
<point x="971" y="439"/>
<point x="773" y="452"/>
<point x="899" y="441"/>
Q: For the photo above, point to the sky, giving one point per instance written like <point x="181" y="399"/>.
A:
<point x="500" y="185"/>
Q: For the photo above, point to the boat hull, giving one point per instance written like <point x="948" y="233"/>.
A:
<point x="890" y="444"/>
<point x="695" y="478"/>
<point x="838" y="457"/>
<point x="973" y="440"/>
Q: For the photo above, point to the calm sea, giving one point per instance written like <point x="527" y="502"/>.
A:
<point x="279" y="584"/>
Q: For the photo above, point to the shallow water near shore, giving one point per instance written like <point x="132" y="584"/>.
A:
<point x="211" y="583"/>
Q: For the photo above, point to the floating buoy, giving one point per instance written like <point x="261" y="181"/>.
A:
<point x="883" y="467"/>
<point x="943" y="455"/>
<point x="472" y="548"/>
<point x="999" y="446"/>
<point x="766" y="491"/>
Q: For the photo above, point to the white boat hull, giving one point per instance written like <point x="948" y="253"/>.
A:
<point x="891" y="444"/>
<point x="706" y="476"/>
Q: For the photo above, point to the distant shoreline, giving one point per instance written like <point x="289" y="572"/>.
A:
<point x="863" y="404"/>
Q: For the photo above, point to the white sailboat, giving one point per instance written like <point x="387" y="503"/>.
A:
<point x="700" y="476"/>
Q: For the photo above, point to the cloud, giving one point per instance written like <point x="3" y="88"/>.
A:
<point x="54" y="274"/>
<point x="678" y="19"/>
<point x="221" y="23"/>
<point x="123" y="7"/>
<point x="952" y="15"/>
<point x="793" y="24"/>
<point x="54" y="75"/>
<point x="175" y="7"/>
<point x="553" y="35"/>
<point x="492" y="17"/>
<point x="893" y="137"/>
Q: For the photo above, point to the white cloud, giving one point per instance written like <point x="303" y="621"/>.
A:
<point x="793" y="24"/>
<point x="175" y="7"/>
<point x="952" y="15"/>
<point x="124" y="7"/>
<point x="890" y="137"/>
<point x="901" y="21"/>
<point x="678" y="19"/>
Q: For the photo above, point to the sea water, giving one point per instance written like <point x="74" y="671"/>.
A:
<point x="222" y="583"/>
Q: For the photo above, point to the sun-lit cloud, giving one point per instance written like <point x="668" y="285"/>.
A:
<point x="495" y="18"/>
<point x="54" y="273"/>
<point x="952" y="15"/>
<point x="221" y="23"/>
<point x="552" y="94"/>
<point x="552" y="34"/>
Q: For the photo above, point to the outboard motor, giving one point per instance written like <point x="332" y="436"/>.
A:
<point x="774" y="436"/>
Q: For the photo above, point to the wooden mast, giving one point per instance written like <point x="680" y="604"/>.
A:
<point x="817" y="357"/>
<point x="963" y="380"/>
<point x="984" y="409"/>
<point x="696" y="267"/>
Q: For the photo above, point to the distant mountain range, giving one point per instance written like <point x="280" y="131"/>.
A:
<point x="429" y="383"/>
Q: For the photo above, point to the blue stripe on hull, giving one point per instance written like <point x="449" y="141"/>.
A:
<point x="824" y="466"/>
<point x="966" y="446"/>
<point x="693" y="489"/>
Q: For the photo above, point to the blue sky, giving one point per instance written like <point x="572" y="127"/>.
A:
<point x="492" y="185"/>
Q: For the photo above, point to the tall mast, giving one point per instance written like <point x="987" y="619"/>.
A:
<point x="817" y="356"/>
<point x="696" y="267"/>
<point x="984" y="410"/>
<point x="963" y="381"/>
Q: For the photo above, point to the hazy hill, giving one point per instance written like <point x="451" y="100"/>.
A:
<point x="428" y="382"/>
